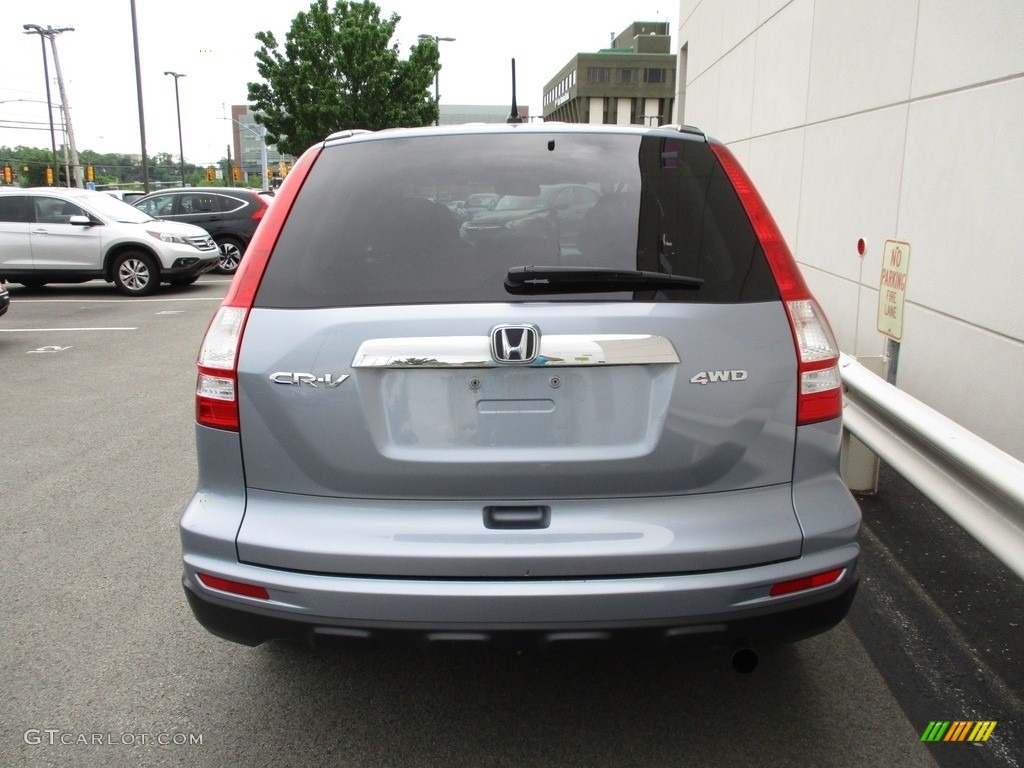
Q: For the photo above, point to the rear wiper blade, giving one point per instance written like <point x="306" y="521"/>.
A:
<point x="534" y="280"/>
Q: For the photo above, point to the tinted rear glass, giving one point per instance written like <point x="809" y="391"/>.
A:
<point x="380" y="222"/>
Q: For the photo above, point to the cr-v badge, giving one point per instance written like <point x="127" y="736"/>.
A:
<point x="296" y="379"/>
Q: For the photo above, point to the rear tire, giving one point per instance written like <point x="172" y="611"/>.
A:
<point x="230" y="255"/>
<point x="136" y="274"/>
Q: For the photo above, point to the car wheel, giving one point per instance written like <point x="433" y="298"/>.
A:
<point x="230" y="255"/>
<point x="135" y="274"/>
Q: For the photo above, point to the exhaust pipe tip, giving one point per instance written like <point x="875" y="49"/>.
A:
<point x="744" y="660"/>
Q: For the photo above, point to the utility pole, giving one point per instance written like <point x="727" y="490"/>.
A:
<point x="35" y="29"/>
<point x="51" y="33"/>
<point x="138" y="88"/>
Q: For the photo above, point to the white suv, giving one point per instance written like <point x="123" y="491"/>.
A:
<point x="50" y="235"/>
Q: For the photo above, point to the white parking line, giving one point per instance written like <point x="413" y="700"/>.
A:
<point x="49" y="330"/>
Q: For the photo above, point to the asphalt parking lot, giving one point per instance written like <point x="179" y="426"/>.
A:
<point x="102" y="663"/>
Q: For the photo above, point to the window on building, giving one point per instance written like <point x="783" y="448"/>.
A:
<point x="626" y="75"/>
<point x="598" y="74"/>
<point x="654" y="75"/>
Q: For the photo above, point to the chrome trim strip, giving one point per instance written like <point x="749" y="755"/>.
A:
<point x="555" y="351"/>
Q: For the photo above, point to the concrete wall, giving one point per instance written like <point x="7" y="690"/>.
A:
<point x="887" y="119"/>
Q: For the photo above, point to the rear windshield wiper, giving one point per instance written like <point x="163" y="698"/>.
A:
<point x="534" y="280"/>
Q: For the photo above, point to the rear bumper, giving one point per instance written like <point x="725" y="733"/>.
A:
<point x="706" y="609"/>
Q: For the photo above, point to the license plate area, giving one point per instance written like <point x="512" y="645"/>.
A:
<point x="514" y="407"/>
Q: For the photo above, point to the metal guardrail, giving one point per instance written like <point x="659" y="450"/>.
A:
<point x="972" y="481"/>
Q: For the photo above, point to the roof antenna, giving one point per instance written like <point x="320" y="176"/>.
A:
<point x="513" y="116"/>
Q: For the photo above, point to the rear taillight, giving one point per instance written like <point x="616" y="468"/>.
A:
<point x="217" y="382"/>
<point x="821" y="389"/>
<point x="216" y="398"/>
<point x="261" y="208"/>
<point x="820" y="393"/>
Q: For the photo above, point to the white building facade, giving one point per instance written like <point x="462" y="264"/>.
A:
<point x="886" y="120"/>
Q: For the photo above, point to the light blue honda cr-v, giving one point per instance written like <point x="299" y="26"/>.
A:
<point x="608" y="409"/>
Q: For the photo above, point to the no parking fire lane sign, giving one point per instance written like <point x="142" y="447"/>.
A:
<point x="892" y="288"/>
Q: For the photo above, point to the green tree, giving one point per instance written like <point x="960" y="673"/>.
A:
<point x="340" y="71"/>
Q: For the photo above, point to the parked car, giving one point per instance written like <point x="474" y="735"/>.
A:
<point x="547" y="216"/>
<point x="229" y="214"/>
<point x="5" y="299"/>
<point x="58" y="235"/>
<point x="401" y="433"/>
<point x="125" y="195"/>
<point x="478" y="203"/>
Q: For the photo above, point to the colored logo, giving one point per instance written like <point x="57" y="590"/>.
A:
<point x="958" y="730"/>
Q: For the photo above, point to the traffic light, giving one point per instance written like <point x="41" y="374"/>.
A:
<point x="236" y="174"/>
<point x="270" y="173"/>
<point x="49" y="176"/>
<point x="90" y="174"/>
<point x="8" y="175"/>
<point x="210" y="174"/>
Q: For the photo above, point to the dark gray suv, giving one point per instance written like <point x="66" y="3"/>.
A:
<point x="626" y="429"/>
<point x="229" y="214"/>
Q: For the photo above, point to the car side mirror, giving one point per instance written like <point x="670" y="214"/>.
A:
<point x="80" y="221"/>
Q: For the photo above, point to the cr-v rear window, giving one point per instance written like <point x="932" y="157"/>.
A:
<point x="377" y="221"/>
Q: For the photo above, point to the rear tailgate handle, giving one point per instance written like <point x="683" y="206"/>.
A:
<point x="517" y="518"/>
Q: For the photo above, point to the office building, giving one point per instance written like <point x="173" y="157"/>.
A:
<point x="630" y="83"/>
<point x="246" y="136"/>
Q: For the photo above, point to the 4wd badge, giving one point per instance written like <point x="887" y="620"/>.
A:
<point x="712" y="377"/>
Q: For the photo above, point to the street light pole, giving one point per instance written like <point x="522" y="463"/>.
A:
<point x="437" y="75"/>
<point x="35" y="29"/>
<point x="181" y="145"/>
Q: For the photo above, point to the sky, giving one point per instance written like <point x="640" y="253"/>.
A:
<point x="212" y="42"/>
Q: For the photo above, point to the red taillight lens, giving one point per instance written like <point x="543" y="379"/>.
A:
<point x="216" y="398"/>
<point x="217" y="382"/>
<point x="807" y="582"/>
<point x="820" y="393"/>
<point x="234" y="587"/>
<point x="261" y="208"/>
